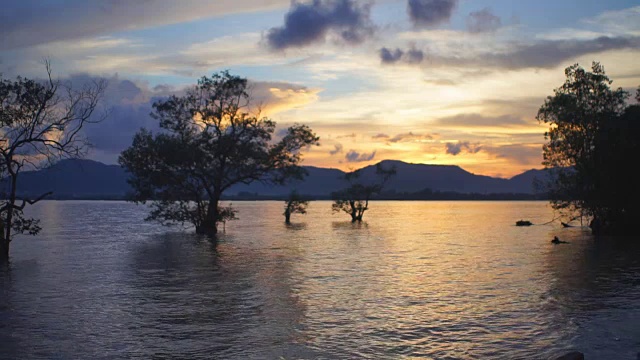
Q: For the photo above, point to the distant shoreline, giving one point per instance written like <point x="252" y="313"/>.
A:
<point x="436" y="196"/>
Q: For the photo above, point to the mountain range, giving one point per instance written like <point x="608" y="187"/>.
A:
<point x="88" y="179"/>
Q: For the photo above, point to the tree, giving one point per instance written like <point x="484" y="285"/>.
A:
<point x="210" y="141"/>
<point x="592" y="134"/>
<point x="294" y="204"/>
<point x="41" y="122"/>
<point x="354" y="199"/>
<point x="227" y="213"/>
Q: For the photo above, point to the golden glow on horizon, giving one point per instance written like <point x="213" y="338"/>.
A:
<point x="470" y="102"/>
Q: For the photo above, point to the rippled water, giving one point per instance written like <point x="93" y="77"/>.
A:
<point x="434" y="280"/>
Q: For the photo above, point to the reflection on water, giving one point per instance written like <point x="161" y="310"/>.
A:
<point x="441" y="280"/>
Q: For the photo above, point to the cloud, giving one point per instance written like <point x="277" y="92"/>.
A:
<point x="548" y="54"/>
<point x="132" y="56"/>
<point x="274" y="97"/>
<point x="411" y="56"/>
<point x="308" y="23"/>
<point x="544" y="54"/>
<point x="523" y="154"/>
<point x="479" y="121"/>
<point x="456" y="148"/>
<point x="73" y="19"/>
<point x="354" y="156"/>
<point x="352" y="136"/>
<point x="337" y="149"/>
<point x="380" y="136"/>
<point x="409" y="136"/>
<point x="130" y="104"/>
<point x="388" y="56"/>
<point x="483" y="21"/>
<point x="428" y="13"/>
<point x="625" y="21"/>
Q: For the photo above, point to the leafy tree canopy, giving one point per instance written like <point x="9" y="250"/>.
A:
<point x="593" y="133"/>
<point x="211" y="140"/>
<point x="354" y="199"/>
<point x="294" y="204"/>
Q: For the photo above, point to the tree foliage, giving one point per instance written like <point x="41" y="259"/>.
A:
<point x="593" y="132"/>
<point x="354" y="199"/>
<point x="294" y="204"/>
<point x="211" y="139"/>
<point x="41" y="122"/>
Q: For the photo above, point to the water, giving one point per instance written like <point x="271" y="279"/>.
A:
<point x="433" y="280"/>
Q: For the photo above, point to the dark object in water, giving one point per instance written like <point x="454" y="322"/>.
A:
<point x="574" y="355"/>
<point x="565" y="224"/>
<point x="523" y="223"/>
<point x="556" y="240"/>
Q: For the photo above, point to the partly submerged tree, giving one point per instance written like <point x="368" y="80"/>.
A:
<point x="210" y="141"/>
<point x="354" y="199"/>
<point x="294" y="204"/>
<point x="41" y="122"/>
<point x="226" y="213"/>
<point x="592" y="136"/>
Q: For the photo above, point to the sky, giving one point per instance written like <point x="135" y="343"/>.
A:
<point x="451" y="82"/>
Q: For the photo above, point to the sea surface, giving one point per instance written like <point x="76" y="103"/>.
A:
<point x="415" y="280"/>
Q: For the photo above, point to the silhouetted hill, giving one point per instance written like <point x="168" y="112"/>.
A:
<point x="75" y="178"/>
<point x="87" y="179"/>
<point x="528" y="178"/>
<point x="417" y="177"/>
<point x="319" y="181"/>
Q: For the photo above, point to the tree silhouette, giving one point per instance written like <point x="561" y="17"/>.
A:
<point x="354" y="199"/>
<point x="41" y="122"/>
<point x="294" y="204"/>
<point x="592" y="134"/>
<point x="211" y="140"/>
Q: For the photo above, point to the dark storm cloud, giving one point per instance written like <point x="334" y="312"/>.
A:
<point x="428" y="13"/>
<point x="457" y="148"/>
<point x="388" y="56"/>
<point x="308" y="23"/>
<point x="414" y="56"/>
<point x="337" y="149"/>
<point x="130" y="104"/>
<point x="483" y="21"/>
<point x="541" y="54"/>
<point x="411" y="56"/>
<point x="354" y="156"/>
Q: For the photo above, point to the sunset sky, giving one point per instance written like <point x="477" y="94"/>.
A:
<point x="424" y="81"/>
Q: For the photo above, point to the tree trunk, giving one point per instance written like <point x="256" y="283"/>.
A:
<point x="354" y="213"/>
<point x="287" y="217"/>
<point x="4" y="244"/>
<point x="4" y="251"/>
<point x="12" y="200"/>
<point x="210" y="224"/>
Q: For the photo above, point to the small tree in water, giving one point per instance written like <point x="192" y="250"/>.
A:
<point x="227" y="213"/>
<point x="211" y="141"/>
<point x="294" y="204"/>
<point x="354" y="199"/>
<point x="592" y="135"/>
